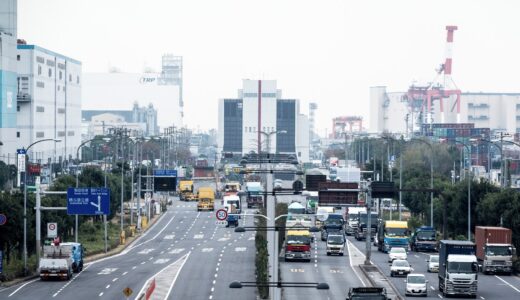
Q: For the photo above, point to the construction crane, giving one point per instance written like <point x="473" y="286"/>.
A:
<point x="420" y="98"/>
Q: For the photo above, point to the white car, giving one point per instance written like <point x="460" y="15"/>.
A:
<point x="400" y="267"/>
<point x="433" y="263"/>
<point x="397" y="253"/>
<point x="416" y="284"/>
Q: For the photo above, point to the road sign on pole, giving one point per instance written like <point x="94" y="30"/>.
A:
<point x="88" y="201"/>
<point x="221" y="214"/>
<point x="52" y="230"/>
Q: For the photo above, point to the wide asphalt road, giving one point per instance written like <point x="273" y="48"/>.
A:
<point x="489" y="286"/>
<point x="187" y="254"/>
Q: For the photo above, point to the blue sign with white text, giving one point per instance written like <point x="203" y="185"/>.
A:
<point x="88" y="201"/>
<point x="165" y="173"/>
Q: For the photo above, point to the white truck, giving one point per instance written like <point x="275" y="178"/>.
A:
<point x="56" y="262"/>
<point x="351" y="218"/>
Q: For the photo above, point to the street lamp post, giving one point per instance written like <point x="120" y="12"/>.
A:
<point x="469" y="189"/>
<point x="268" y="138"/>
<point x="25" y="204"/>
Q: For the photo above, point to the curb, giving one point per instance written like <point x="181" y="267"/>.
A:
<point x="87" y="259"/>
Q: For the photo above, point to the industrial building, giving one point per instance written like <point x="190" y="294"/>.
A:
<point x="49" y="103"/>
<point x="260" y="120"/>
<point x="115" y="90"/>
<point x="141" y="118"/>
<point x="390" y="111"/>
<point x="8" y="62"/>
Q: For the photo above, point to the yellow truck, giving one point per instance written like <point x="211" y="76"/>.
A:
<point x="206" y="197"/>
<point x="186" y="190"/>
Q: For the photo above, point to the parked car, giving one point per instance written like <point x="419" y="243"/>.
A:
<point x="397" y="253"/>
<point x="433" y="263"/>
<point x="416" y="285"/>
<point x="400" y="267"/>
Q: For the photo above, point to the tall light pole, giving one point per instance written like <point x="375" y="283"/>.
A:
<point x="77" y="184"/>
<point x="431" y="177"/>
<point x="268" y="138"/>
<point x="469" y="188"/>
<point x="25" y="203"/>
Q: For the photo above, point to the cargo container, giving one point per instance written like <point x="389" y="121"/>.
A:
<point x="494" y="249"/>
<point x="458" y="268"/>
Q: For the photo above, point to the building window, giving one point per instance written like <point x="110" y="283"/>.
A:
<point x="77" y="79"/>
<point x="250" y="95"/>
<point x="269" y="95"/>
<point x="58" y="88"/>
<point x="70" y="133"/>
<point x="70" y="77"/>
<point x="40" y="59"/>
<point x="61" y="110"/>
<point x="18" y="108"/>
<point x="18" y="57"/>
<point x="40" y="109"/>
<point x="50" y="72"/>
<point x="39" y="70"/>
<point x="50" y="63"/>
<point x="61" y="66"/>
<point x="61" y="75"/>
<point x="18" y="134"/>
<point x="40" y="134"/>
<point x="40" y="84"/>
<point x="61" y="133"/>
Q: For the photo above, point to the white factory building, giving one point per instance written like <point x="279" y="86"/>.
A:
<point x="282" y="128"/>
<point x="49" y="103"/>
<point x="118" y="90"/>
<point x="389" y="111"/>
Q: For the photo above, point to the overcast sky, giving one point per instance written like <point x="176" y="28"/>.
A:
<point x="326" y="51"/>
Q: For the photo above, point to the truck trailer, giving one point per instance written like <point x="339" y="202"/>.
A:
<point x="458" y="268"/>
<point x="494" y="249"/>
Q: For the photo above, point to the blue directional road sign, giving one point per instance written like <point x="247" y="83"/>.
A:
<point x="88" y="201"/>
<point x="165" y="173"/>
<point x="21" y="151"/>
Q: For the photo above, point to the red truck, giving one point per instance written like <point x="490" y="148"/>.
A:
<point x="494" y="249"/>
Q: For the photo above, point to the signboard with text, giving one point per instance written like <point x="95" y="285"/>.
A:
<point x="88" y="201"/>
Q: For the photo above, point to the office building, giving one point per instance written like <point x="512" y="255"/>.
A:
<point x="259" y="119"/>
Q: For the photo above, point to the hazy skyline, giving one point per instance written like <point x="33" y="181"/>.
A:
<point x="328" y="52"/>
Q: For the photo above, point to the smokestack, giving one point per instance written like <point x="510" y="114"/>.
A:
<point x="449" y="50"/>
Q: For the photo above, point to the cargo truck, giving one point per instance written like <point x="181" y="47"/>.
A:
<point x="368" y="293"/>
<point x="206" y="197"/>
<point x="351" y="219"/>
<point x="360" y="233"/>
<point x="423" y="239"/>
<point x="254" y="192"/>
<point x="458" y="268"/>
<point x="186" y="190"/>
<point x="59" y="260"/>
<point x="494" y="249"/>
<point x="393" y="234"/>
<point x="298" y="245"/>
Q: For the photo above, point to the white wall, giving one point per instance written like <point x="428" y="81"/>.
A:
<point x="302" y="138"/>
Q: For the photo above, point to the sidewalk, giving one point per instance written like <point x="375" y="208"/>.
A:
<point x="91" y="258"/>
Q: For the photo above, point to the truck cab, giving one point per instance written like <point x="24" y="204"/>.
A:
<point x="186" y="190"/>
<point x="206" y="197"/>
<point x="351" y="219"/>
<point x="369" y="293"/>
<point x="360" y="233"/>
<point x="393" y="234"/>
<point x="254" y="192"/>
<point x="298" y="245"/>
<point x="424" y="239"/>
<point x="458" y="268"/>
<point x="77" y="253"/>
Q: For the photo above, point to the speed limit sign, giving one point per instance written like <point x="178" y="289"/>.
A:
<point x="221" y="214"/>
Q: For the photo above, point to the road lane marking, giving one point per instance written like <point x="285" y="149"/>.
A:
<point x="507" y="283"/>
<point x="350" y="261"/>
<point x="133" y="268"/>
<point x="107" y="271"/>
<point x="482" y="298"/>
<point x="15" y="291"/>
<point x="124" y="273"/>
<point x="115" y="279"/>
<point x="439" y="296"/>
<point x="176" y="251"/>
<point x="207" y="249"/>
<point x="108" y="285"/>
<point x="198" y="236"/>
<point x="153" y="238"/>
<point x="433" y="289"/>
<point x="169" y="237"/>
<point x="297" y="270"/>
<point x="146" y="251"/>
<point x="240" y="249"/>
<point x="100" y="294"/>
<point x="161" y="261"/>
<point x="143" y="263"/>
